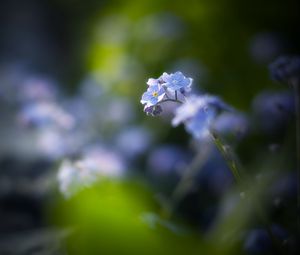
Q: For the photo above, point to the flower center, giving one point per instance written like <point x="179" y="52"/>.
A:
<point x="155" y="94"/>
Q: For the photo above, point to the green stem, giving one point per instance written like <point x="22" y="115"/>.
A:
<point x="233" y="166"/>
<point x="228" y="156"/>
<point x="186" y="181"/>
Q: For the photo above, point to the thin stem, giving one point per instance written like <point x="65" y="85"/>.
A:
<point x="233" y="165"/>
<point x="175" y="94"/>
<point x="187" y="179"/>
<point x="228" y="156"/>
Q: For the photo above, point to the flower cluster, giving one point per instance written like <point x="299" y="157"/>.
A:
<point x="165" y="88"/>
<point x="195" y="112"/>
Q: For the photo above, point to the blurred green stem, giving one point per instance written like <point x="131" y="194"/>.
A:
<point x="187" y="180"/>
<point x="232" y="163"/>
<point x="228" y="156"/>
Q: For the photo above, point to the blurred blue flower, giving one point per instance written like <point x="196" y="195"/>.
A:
<point x="104" y="161"/>
<point x="176" y="81"/>
<point x="43" y="114"/>
<point x="154" y="94"/>
<point x="284" y="190"/>
<point x="265" y="46"/>
<point x="215" y="177"/>
<point x="273" y="110"/>
<point x="197" y="113"/>
<point x="142" y="139"/>
<point x="286" y="69"/>
<point x="257" y="242"/>
<point x="167" y="159"/>
<point x="232" y="124"/>
<point x="38" y="89"/>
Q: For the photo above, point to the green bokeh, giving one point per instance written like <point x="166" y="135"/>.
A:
<point x="108" y="219"/>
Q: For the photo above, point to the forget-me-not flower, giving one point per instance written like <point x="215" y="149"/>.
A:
<point x="176" y="81"/>
<point x="197" y="113"/>
<point x="154" y="94"/>
<point x="165" y="89"/>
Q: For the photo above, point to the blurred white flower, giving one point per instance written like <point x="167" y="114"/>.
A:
<point x="96" y="163"/>
<point x="43" y="114"/>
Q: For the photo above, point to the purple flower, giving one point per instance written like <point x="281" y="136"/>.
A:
<point x="153" y="110"/>
<point x="176" y="81"/>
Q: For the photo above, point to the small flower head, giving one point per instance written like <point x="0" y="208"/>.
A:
<point x="176" y="82"/>
<point x="197" y="114"/>
<point x="153" y="110"/>
<point x="154" y="94"/>
<point x="286" y="69"/>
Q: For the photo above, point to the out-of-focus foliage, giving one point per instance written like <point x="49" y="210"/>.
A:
<point x="119" y="218"/>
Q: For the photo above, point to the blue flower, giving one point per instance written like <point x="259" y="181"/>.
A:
<point x="176" y="81"/>
<point x="154" y="94"/>
<point x="286" y="69"/>
<point x="199" y="125"/>
<point x="232" y="125"/>
<point x="273" y="110"/>
<point x="257" y="242"/>
<point x="197" y="113"/>
<point x="167" y="160"/>
<point x="153" y="82"/>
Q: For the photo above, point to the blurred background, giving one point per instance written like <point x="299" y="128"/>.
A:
<point x="72" y="73"/>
